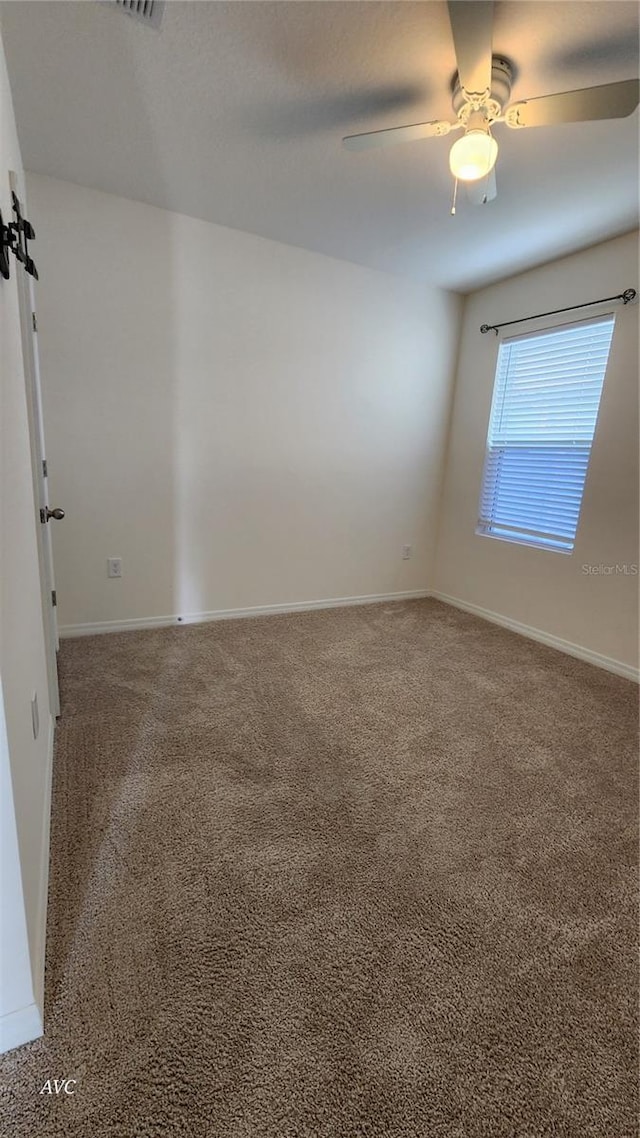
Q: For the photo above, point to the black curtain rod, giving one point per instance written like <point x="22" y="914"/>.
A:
<point x="626" y="297"/>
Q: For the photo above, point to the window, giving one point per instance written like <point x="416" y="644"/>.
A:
<point x="543" y="417"/>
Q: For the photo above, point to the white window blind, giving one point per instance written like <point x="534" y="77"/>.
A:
<point x="543" y="417"/>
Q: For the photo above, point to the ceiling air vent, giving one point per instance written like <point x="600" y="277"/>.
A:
<point x="146" y="11"/>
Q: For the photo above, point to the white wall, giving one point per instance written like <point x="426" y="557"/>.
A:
<point x="20" y="1018"/>
<point x="243" y="422"/>
<point x="545" y="590"/>
<point x="25" y="763"/>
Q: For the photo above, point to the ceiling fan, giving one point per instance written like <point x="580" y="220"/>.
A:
<point x="481" y="93"/>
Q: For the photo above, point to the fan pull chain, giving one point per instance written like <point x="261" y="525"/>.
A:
<point x="455" y="195"/>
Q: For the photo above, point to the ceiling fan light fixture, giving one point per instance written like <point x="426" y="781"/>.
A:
<point x="473" y="156"/>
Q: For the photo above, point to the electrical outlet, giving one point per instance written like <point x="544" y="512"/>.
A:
<point x="114" y="566"/>
<point x="407" y="550"/>
<point x="35" y="715"/>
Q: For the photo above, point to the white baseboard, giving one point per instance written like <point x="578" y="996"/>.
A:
<point x="606" y="662"/>
<point x="20" y="1027"/>
<point x="68" y="630"/>
<point x="39" y="948"/>
<point x="610" y="665"/>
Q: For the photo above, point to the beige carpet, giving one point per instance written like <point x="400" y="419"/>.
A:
<point x="366" y="873"/>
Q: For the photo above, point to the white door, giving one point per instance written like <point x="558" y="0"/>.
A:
<point x="28" y="325"/>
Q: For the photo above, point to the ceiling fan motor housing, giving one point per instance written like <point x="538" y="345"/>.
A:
<point x="492" y="104"/>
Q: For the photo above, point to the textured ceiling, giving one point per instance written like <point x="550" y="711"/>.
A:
<point x="234" y="112"/>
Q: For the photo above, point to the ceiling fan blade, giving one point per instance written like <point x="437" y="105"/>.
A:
<point x="394" y="134"/>
<point x="611" y="101"/>
<point x="484" y="190"/>
<point x="472" y="28"/>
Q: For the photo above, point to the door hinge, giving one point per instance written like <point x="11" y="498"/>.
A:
<point x="54" y="598"/>
<point x="45" y="473"/>
<point x="34" y="321"/>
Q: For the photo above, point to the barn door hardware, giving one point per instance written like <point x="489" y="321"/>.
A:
<point x="14" y="239"/>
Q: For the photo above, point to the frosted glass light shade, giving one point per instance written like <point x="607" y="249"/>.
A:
<point x="473" y="156"/>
